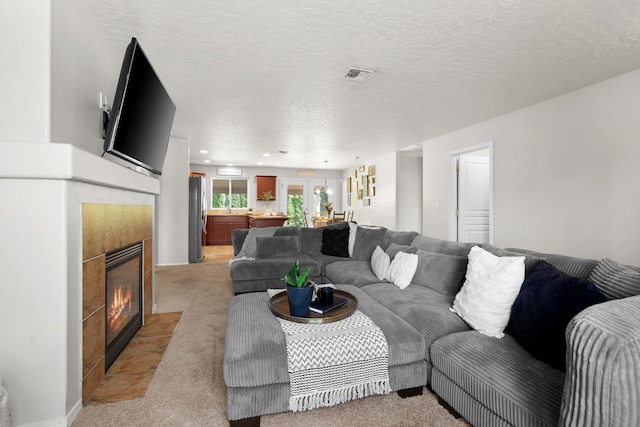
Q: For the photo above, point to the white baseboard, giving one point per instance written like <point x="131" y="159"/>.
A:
<point x="71" y="416"/>
<point x="60" y="422"/>
<point x="171" y="264"/>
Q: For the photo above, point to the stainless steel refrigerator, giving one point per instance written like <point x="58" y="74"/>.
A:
<point x="197" y="217"/>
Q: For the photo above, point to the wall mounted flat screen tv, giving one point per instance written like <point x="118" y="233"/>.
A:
<point x="142" y="114"/>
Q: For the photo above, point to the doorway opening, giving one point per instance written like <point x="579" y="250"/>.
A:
<point x="471" y="194"/>
<point x="305" y="199"/>
<point x="296" y="208"/>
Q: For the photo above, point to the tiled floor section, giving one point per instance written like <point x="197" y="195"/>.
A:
<point x="131" y="373"/>
<point x="217" y="253"/>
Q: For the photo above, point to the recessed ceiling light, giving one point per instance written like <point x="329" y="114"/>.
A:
<point x="207" y="161"/>
<point x="266" y="154"/>
<point x="204" y="151"/>
<point x="229" y="164"/>
<point x="260" y="163"/>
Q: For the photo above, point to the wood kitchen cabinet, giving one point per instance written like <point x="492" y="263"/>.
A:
<point x="266" y="183"/>
<point x="260" y="221"/>
<point x="219" y="228"/>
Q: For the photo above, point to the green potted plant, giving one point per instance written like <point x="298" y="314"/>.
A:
<point x="299" y="290"/>
<point x="329" y="208"/>
<point x="266" y="197"/>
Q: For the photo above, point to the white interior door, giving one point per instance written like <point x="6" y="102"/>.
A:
<point x="473" y="198"/>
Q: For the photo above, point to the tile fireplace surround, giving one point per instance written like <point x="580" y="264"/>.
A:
<point x="107" y="227"/>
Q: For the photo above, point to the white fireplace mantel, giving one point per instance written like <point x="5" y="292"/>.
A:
<point x="42" y="160"/>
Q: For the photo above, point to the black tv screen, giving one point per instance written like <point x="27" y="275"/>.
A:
<point x="142" y="114"/>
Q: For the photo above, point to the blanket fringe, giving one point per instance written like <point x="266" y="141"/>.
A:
<point x="336" y="396"/>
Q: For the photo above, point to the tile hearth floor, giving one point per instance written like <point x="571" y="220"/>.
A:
<point x="131" y="373"/>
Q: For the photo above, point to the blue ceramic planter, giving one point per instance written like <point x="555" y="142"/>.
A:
<point x="299" y="300"/>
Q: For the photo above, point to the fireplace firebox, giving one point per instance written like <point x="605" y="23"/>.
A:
<point x="124" y="277"/>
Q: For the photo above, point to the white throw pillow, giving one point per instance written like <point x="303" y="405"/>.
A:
<point x="491" y="286"/>
<point x="380" y="262"/>
<point x="353" y="228"/>
<point x="402" y="269"/>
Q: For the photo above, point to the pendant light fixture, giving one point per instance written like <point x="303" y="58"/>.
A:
<point x="325" y="188"/>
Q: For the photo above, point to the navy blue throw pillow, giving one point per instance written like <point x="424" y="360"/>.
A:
<point x="547" y="301"/>
<point x="335" y="242"/>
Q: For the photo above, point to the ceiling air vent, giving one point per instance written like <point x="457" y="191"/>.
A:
<point x="357" y="75"/>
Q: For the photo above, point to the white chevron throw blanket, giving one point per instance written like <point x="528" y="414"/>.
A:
<point x="335" y="362"/>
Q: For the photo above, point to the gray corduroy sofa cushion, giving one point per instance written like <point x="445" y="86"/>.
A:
<point x="440" y="272"/>
<point x="357" y="273"/>
<point x="603" y="366"/>
<point x="402" y="238"/>
<point x="579" y="267"/>
<point x="277" y="246"/>
<point x="393" y="249"/>
<point x="616" y="280"/>
<point x="431" y="244"/>
<point x="366" y="241"/>
<point x="240" y="234"/>
<point x="471" y="410"/>
<point x="530" y="260"/>
<point x="311" y="240"/>
<point x="255" y="348"/>
<point x="406" y="345"/>
<point x="501" y="376"/>
<point x="423" y="308"/>
<point x="271" y="268"/>
<point x="256" y="356"/>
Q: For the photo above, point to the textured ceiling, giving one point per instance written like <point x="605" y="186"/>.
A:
<point x="261" y="76"/>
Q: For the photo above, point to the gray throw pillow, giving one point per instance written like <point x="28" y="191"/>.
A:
<point x="394" y="248"/>
<point x="529" y="260"/>
<point x="578" y="267"/>
<point x="287" y="231"/>
<point x="439" y="246"/>
<point x="277" y="246"/>
<point x="616" y="280"/>
<point x="311" y="240"/>
<point x="366" y="241"/>
<point x="398" y="237"/>
<point x="440" y="272"/>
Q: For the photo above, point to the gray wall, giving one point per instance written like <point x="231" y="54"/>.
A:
<point x="84" y="62"/>
<point x="383" y="208"/>
<point x="172" y="213"/>
<point x="409" y="191"/>
<point x="565" y="177"/>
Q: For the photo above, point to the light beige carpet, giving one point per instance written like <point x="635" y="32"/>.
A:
<point x="188" y="389"/>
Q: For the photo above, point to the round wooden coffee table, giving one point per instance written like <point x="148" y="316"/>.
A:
<point x="279" y="305"/>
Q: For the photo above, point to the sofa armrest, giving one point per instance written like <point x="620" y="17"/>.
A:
<point x="237" y="239"/>
<point x="602" y="383"/>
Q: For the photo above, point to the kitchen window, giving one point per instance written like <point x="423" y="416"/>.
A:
<point x="230" y="193"/>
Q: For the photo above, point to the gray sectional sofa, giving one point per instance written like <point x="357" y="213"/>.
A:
<point x="489" y="381"/>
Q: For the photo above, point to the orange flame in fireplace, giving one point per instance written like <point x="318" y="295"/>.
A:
<point x="121" y="301"/>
